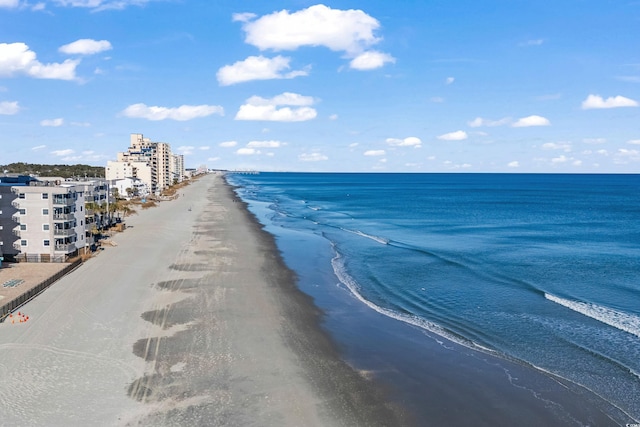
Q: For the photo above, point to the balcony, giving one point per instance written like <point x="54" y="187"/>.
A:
<point x="16" y="217"/>
<point x="17" y="247"/>
<point x="63" y="201"/>
<point x="63" y="217"/>
<point x="15" y="190"/>
<point x="66" y="248"/>
<point x="58" y="232"/>
<point x="15" y="204"/>
<point x="16" y="231"/>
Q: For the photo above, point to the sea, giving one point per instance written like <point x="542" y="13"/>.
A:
<point x="541" y="269"/>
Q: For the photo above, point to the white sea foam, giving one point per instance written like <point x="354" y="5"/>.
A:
<point x="343" y="276"/>
<point x="618" y="319"/>
<point x="368" y="236"/>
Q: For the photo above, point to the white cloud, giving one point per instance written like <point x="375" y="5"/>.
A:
<point x="333" y="117"/>
<point x="634" y="141"/>
<point x="247" y="151"/>
<point x="38" y="147"/>
<point x="531" y="121"/>
<point x="350" y="31"/>
<point x="52" y="122"/>
<point x="243" y="17"/>
<point x="9" y="108"/>
<point x="513" y="164"/>
<point x="560" y="159"/>
<point x="411" y="141"/>
<point x="228" y="144"/>
<point x="85" y="47"/>
<point x="597" y="102"/>
<point x="458" y="135"/>
<point x="204" y="147"/>
<point x="566" y="146"/>
<point x="9" y="3"/>
<point x="182" y="113"/>
<point x="535" y="42"/>
<point x="258" y="68"/>
<point x="185" y="149"/>
<point x="17" y="58"/>
<point x="62" y="153"/>
<point x="437" y="99"/>
<point x="629" y="79"/>
<point x="479" y="122"/>
<point x="374" y="153"/>
<point x="449" y="80"/>
<point x="258" y="108"/>
<point x="371" y="60"/>
<point x="312" y="157"/>
<point x="265" y="144"/>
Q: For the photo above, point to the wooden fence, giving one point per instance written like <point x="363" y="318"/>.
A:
<point x="10" y="306"/>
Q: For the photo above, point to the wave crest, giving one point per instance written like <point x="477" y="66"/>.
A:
<point x="617" y="319"/>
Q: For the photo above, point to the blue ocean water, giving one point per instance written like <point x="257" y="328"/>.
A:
<point x="542" y="269"/>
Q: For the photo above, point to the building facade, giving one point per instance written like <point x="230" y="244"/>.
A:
<point x="151" y="162"/>
<point x="50" y="221"/>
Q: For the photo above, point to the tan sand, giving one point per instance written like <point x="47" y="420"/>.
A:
<point x="192" y="319"/>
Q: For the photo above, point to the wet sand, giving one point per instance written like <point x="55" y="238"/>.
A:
<point x="192" y="319"/>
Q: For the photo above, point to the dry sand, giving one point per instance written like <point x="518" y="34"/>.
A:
<point x="191" y="320"/>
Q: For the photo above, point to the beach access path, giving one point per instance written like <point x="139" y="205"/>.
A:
<point x="192" y="319"/>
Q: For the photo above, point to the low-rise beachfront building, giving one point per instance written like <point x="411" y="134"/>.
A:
<point x="50" y="221"/>
<point x="8" y="212"/>
<point x="131" y="187"/>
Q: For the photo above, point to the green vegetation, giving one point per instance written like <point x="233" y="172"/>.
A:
<point x="63" y="171"/>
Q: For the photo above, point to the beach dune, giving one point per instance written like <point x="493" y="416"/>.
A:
<point x="192" y="319"/>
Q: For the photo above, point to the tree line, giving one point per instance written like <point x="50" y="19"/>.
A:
<point x="63" y="171"/>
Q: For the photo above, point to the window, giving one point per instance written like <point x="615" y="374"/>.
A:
<point x="45" y="196"/>
<point x="45" y="211"/>
<point x="45" y="227"/>
<point x="22" y="211"/>
<point x="23" y="227"/>
<point x="23" y="243"/>
<point x="21" y="196"/>
<point x="45" y="243"/>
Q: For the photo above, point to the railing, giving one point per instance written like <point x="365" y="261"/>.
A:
<point x="63" y="216"/>
<point x="16" y="246"/>
<point x="65" y="248"/>
<point x="15" y="204"/>
<point x="15" y="190"/>
<point x="60" y="201"/>
<point x="16" y="217"/>
<point x="64" y="232"/>
<point x="16" y="231"/>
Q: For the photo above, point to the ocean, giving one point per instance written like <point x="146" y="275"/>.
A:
<point x="541" y="269"/>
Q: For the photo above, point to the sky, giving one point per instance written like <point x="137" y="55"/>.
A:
<point x="355" y="86"/>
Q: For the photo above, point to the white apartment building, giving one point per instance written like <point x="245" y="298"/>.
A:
<point x="136" y="186"/>
<point x="50" y="221"/>
<point x="148" y="161"/>
<point x="177" y="168"/>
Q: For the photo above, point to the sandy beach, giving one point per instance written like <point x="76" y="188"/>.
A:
<point x="192" y="319"/>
